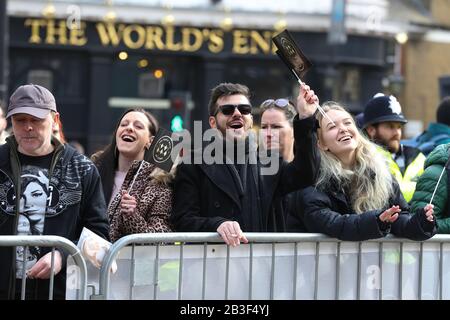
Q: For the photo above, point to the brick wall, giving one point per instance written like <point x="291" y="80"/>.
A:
<point x="424" y="62"/>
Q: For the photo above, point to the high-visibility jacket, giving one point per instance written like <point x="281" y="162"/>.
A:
<point x="414" y="162"/>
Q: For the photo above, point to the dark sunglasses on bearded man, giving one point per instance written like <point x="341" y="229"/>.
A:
<point x="228" y="109"/>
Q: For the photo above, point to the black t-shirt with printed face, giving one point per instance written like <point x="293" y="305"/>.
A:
<point x="35" y="194"/>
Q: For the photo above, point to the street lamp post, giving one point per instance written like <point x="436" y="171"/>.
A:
<point x="396" y="80"/>
<point x="4" y="37"/>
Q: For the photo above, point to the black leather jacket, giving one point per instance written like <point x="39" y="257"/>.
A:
<point x="77" y="202"/>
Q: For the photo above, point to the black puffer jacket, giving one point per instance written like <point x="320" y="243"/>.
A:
<point x="331" y="213"/>
<point x="77" y="202"/>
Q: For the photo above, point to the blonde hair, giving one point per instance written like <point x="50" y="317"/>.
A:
<point x="368" y="184"/>
<point x="165" y="178"/>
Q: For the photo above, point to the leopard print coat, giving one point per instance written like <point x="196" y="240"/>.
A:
<point x="154" y="204"/>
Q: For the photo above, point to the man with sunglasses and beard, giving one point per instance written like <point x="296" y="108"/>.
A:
<point x="383" y="123"/>
<point x="234" y="195"/>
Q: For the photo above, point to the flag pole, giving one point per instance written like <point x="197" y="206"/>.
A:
<point x="134" y="178"/>
<point x="437" y="184"/>
<point x="316" y="104"/>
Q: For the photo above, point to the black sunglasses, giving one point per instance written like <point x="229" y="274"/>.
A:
<point x="228" y="109"/>
<point x="281" y="103"/>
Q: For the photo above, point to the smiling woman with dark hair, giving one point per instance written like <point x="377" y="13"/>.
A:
<point x="110" y="160"/>
<point x="139" y="194"/>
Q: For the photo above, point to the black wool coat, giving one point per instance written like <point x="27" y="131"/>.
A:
<point x="206" y="195"/>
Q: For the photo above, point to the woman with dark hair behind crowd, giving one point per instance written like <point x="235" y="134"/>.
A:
<point x="277" y="134"/>
<point x="355" y="197"/>
<point x="277" y="130"/>
<point x="136" y="204"/>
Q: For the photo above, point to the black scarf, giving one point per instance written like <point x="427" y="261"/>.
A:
<point x="246" y="179"/>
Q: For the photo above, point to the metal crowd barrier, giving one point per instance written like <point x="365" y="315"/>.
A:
<point x="80" y="272"/>
<point x="274" y="266"/>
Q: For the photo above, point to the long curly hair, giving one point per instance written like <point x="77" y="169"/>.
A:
<point x="106" y="160"/>
<point x="368" y="184"/>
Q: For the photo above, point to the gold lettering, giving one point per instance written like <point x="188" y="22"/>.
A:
<point x="151" y="37"/>
<point x="109" y="33"/>
<point x="170" y="39"/>
<point x="60" y="31"/>
<point x="198" y="39"/>
<point x="257" y="41"/>
<point x="274" y="47"/>
<point x="35" y="25"/>
<point x="215" y="44"/>
<point x="240" y="42"/>
<point x="77" y="36"/>
<point x="128" y="39"/>
<point x="50" y="35"/>
<point x="154" y="38"/>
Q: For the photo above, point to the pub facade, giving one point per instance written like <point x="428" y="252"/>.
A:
<point x="97" y="68"/>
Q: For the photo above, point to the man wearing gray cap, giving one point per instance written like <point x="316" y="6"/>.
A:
<point x="45" y="188"/>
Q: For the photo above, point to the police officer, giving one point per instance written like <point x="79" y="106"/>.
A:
<point x="383" y="123"/>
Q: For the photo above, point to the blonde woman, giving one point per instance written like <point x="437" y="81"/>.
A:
<point x="355" y="197"/>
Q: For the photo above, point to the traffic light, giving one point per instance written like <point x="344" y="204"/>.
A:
<point x="176" y="124"/>
<point x="179" y="109"/>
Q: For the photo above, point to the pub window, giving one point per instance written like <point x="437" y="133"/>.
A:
<point x="150" y="86"/>
<point x="41" y="77"/>
<point x="347" y="87"/>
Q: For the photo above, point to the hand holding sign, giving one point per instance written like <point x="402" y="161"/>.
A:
<point x="307" y="102"/>
<point x="295" y="60"/>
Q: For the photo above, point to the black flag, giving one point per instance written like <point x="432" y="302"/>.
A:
<point x="160" y="151"/>
<point x="291" y="55"/>
<point x="295" y="60"/>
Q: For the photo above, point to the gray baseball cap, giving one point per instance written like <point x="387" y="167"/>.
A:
<point x="31" y="99"/>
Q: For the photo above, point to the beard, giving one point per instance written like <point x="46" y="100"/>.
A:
<point x="234" y="134"/>
<point x="392" y="145"/>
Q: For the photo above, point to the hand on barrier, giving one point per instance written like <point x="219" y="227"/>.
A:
<point x="127" y="204"/>
<point x="42" y="268"/>
<point x="231" y="233"/>
<point x="390" y="215"/>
